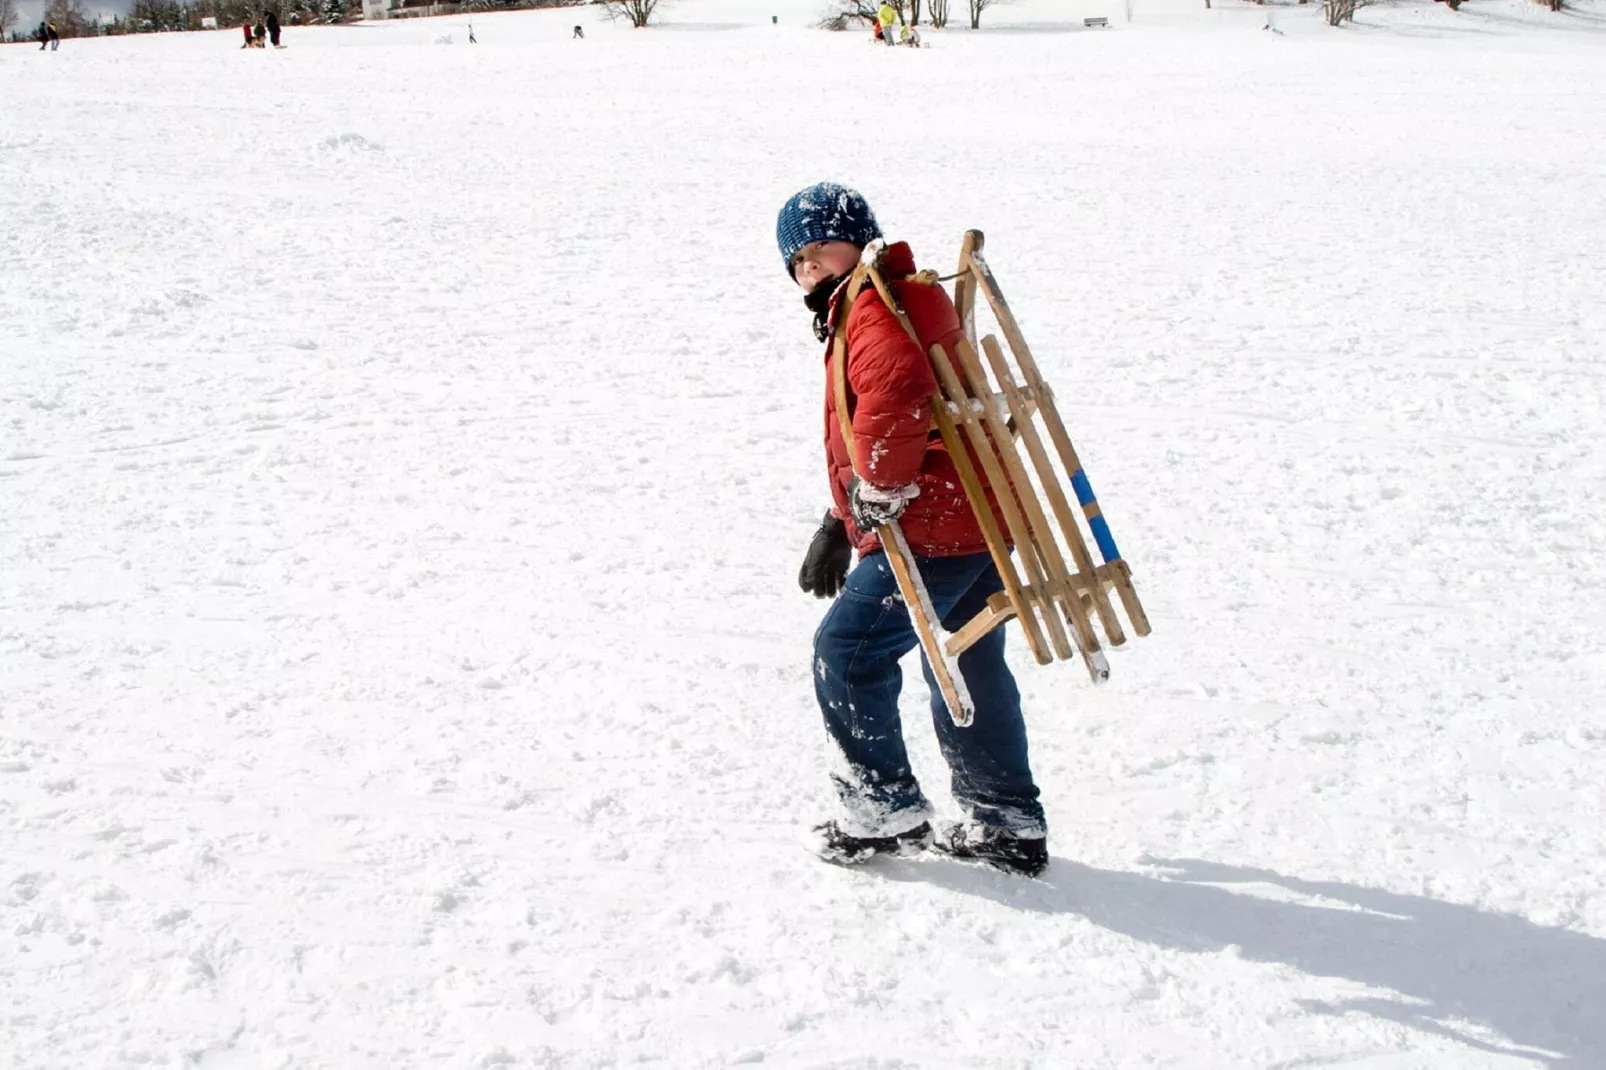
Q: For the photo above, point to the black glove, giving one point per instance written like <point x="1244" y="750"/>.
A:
<point x="825" y="566"/>
<point x="873" y="506"/>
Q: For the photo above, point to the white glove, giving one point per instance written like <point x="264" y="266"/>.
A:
<point x="873" y="506"/>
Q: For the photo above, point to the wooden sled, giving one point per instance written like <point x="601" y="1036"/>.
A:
<point x="988" y="421"/>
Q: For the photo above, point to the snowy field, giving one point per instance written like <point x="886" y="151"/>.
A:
<point x="407" y="451"/>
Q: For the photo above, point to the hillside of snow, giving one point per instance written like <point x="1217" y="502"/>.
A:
<point x="407" y="449"/>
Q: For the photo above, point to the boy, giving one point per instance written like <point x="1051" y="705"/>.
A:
<point x="899" y="471"/>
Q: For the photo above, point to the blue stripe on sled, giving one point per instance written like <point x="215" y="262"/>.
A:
<point x="1084" y="489"/>
<point x="1101" y="534"/>
<point x="1100" y="529"/>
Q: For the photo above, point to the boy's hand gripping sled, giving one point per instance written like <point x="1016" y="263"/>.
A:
<point x="995" y="423"/>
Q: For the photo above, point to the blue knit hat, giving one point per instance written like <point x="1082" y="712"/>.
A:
<point x="823" y="212"/>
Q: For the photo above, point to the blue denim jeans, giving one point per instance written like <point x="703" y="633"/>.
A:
<point x="857" y="681"/>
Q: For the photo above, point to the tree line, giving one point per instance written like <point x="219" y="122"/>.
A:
<point x="936" y="12"/>
<point x="172" y="16"/>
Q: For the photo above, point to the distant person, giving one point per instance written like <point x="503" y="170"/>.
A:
<point x="580" y="32"/>
<point x="245" y="28"/>
<point x="471" y="38"/>
<point x="273" y="28"/>
<point x="43" y="33"/>
<point x="885" y="18"/>
<point x="910" y="36"/>
<point x="259" y="34"/>
<point x="55" y="37"/>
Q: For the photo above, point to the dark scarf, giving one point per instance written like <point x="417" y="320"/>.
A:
<point x="819" y="303"/>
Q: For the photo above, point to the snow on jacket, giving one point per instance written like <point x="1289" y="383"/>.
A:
<point x="890" y="384"/>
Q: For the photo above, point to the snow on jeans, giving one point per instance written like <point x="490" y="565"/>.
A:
<point x="857" y="681"/>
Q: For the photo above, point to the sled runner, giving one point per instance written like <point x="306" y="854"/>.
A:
<point x="989" y="421"/>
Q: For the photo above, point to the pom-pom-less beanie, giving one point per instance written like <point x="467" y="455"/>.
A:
<point x="824" y="212"/>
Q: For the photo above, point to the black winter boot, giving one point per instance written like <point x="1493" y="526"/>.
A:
<point x="1000" y="848"/>
<point x="844" y="848"/>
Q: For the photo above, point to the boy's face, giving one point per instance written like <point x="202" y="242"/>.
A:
<point x="822" y="260"/>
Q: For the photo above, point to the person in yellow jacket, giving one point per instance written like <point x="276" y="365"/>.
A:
<point x="887" y="16"/>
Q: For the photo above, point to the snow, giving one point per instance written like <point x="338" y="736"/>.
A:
<point x="406" y="454"/>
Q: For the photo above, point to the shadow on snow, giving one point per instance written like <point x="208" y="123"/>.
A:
<point x="1543" y="988"/>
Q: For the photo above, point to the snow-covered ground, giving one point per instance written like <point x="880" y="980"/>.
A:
<point x="406" y="452"/>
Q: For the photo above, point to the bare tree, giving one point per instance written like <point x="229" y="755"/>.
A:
<point x="639" y="12"/>
<point x="939" y="13"/>
<point x="976" y="8"/>
<point x="1337" y="12"/>
<point x="295" y="12"/>
<point x="842" y="12"/>
<point x="8" y="17"/>
<point x="156" y="16"/>
<point x="69" y="17"/>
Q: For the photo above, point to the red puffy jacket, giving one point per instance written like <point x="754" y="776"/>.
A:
<point x="890" y="384"/>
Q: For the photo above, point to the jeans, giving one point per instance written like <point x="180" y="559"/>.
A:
<point x="857" y="681"/>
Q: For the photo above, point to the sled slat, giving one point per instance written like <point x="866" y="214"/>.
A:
<point x="999" y="483"/>
<point x="1049" y="480"/>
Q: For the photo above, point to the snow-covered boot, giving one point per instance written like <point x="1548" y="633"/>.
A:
<point x="832" y="843"/>
<point x="1013" y="852"/>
